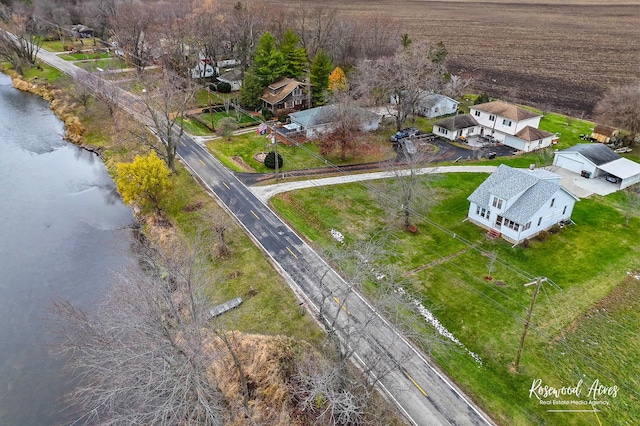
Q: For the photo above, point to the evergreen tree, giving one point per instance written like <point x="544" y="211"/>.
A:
<point x="268" y="61"/>
<point x="295" y="55"/>
<point x="251" y="90"/>
<point x="320" y="70"/>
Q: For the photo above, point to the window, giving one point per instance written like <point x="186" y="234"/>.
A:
<point x="564" y="210"/>
<point x="539" y="220"/>
<point x="476" y="113"/>
<point x="511" y="224"/>
<point x="297" y="91"/>
<point x="506" y="122"/>
<point x="443" y="130"/>
<point x="483" y="212"/>
<point x="497" y="203"/>
<point x="499" y="221"/>
<point x="526" y="226"/>
<point x="553" y="200"/>
<point x="492" y="117"/>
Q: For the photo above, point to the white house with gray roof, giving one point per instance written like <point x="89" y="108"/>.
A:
<point x="595" y="160"/>
<point x="518" y="204"/>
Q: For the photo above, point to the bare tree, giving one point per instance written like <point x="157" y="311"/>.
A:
<point x="455" y="87"/>
<point x="409" y="192"/>
<point x="207" y="25"/>
<point x="140" y="357"/>
<point x="621" y="107"/>
<point x="244" y="26"/>
<point x="631" y="203"/>
<point x="349" y="119"/>
<point x="134" y="28"/>
<point x="400" y="78"/>
<point x="166" y="100"/>
<point x="83" y="88"/>
<point x="20" y="37"/>
<point x="316" y="26"/>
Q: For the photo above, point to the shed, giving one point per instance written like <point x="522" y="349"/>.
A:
<point x="603" y="134"/>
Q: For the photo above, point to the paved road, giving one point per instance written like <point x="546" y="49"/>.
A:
<point x="420" y="391"/>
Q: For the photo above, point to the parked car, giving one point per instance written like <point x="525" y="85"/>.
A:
<point x="623" y="150"/>
<point x="404" y="133"/>
<point x="612" y="179"/>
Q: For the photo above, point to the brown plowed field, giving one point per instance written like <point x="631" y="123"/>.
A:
<point x="557" y="54"/>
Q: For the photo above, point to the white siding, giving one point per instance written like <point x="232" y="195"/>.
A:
<point x="575" y="162"/>
<point x="522" y="145"/>
<point x="441" y="131"/>
<point x="499" y="128"/>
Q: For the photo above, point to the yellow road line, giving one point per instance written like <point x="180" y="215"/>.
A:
<point x="414" y="382"/>
<point x="341" y="305"/>
<point x="183" y="144"/>
<point x="254" y="213"/>
<point x="202" y="162"/>
<point x="292" y="253"/>
<point x="225" y="185"/>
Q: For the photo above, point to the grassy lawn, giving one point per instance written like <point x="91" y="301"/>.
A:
<point x="568" y="340"/>
<point x="569" y="129"/>
<point x="219" y="115"/>
<point x="54" y="45"/>
<point x="246" y="146"/>
<point x="194" y="127"/>
<point x="46" y="72"/>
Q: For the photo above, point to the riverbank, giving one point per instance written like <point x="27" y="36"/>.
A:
<point x="61" y="107"/>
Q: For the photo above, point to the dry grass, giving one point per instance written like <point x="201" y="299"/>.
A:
<point x="561" y="54"/>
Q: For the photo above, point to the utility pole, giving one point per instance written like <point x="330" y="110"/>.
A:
<point x="538" y="282"/>
<point x="275" y="143"/>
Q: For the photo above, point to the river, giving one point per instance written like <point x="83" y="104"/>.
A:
<point x="63" y="230"/>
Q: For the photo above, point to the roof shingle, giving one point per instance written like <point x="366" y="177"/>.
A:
<point x="503" y="109"/>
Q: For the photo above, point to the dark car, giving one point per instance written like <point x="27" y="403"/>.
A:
<point x="404" y="133"/>
<point x="613" y="179"/>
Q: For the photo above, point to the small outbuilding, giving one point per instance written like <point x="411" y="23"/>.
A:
<point x="233" y="77"/>
<point x="603" y="134"/>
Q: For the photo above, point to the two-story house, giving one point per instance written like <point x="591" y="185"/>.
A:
<point x="285" y="94"/>
<point x="511" y="125"/>
<point x="518" y="204"/>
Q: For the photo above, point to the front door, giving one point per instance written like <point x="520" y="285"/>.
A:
<point x="499" y="222"/>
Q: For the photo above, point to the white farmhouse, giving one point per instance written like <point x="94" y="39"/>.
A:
<point x="518" y="204"/>
<point x="511" y="125"/>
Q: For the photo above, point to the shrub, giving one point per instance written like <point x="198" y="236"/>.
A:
<point x="525" y="243"/>
<point x="270" y="162"/>
<point x="542" y="236"/>
<point x="267" y="114"/>
<point x="482" y="99"/>
<point x="554" y="229"/>
<point x="224" y="87"/>
<point x="212" y="87"/>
